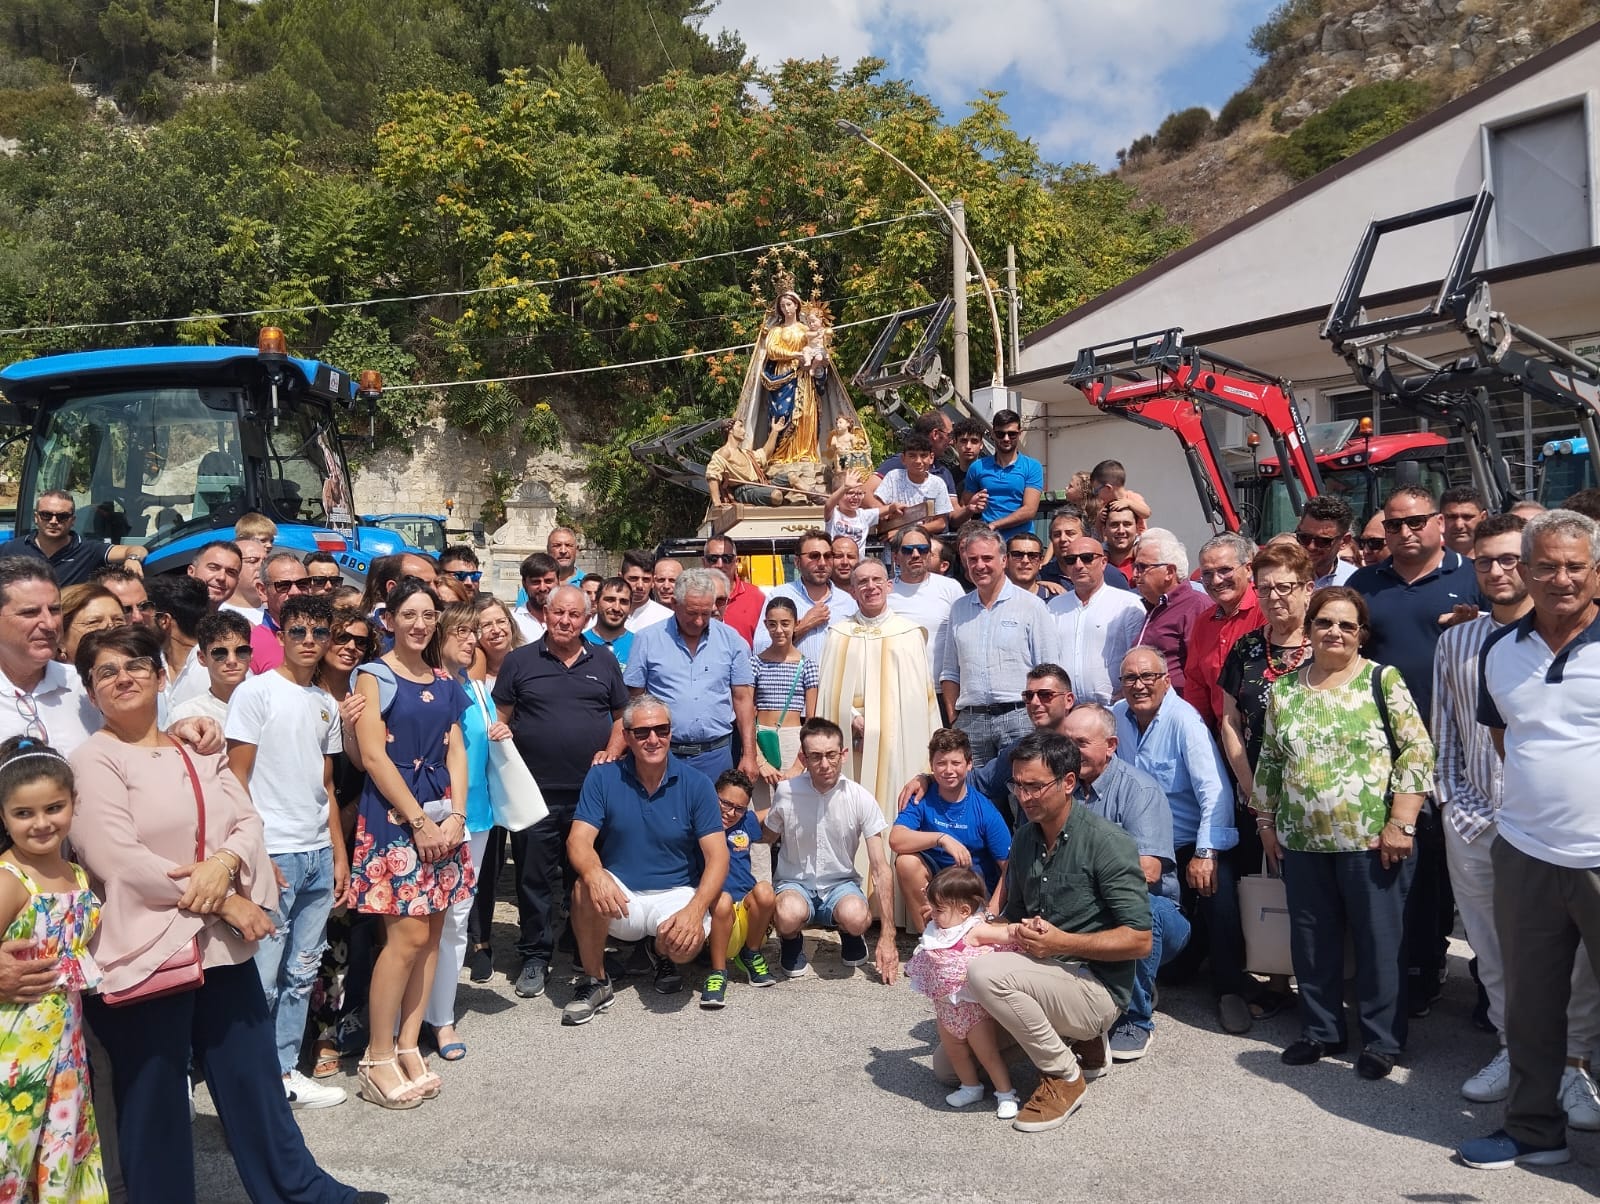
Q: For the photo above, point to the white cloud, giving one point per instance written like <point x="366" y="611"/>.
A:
<point x="1084" y="76"/>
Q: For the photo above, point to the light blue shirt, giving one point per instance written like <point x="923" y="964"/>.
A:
<point x="1179" y="753"/>
<point x="840" y="606"/>
<point x="621" y="647"/>
<point x="989" y="650"/>
<point x="698" y="686"/>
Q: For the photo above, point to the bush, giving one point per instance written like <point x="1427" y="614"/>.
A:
<point x="1183" y="130"/>
<point x="1356" y="120"/>
<point x="21" y="108"/>
<point x="1287" y="22"/>
<point x="1241" y="107"/>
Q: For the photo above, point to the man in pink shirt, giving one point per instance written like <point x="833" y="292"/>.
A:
<point x="282" y="576"/>
<point x="1160" y="573"/>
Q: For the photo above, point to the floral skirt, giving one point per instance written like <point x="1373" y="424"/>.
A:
<point x="389" y="879"/>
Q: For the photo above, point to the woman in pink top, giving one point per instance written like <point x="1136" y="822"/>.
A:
<point x="136" y="834"/>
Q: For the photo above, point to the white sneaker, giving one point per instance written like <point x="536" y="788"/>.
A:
<point x="1579" y="1099"/>
<point x="1491" y="1083"/>
<point x="962" y="1096"/>
<point x="308" y="1093"/>
<point x="1005" y="1105"/>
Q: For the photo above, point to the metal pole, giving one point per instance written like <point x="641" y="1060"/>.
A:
<point x="216" y="24"/>
<point x="998" y="380"/>
<point x="962" y="370"/>
<point x="1013" y="304"/>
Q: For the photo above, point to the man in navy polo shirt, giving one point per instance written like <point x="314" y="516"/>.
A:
<point x="1008" y="484"/>
<point x="562" y="697"/>
<point x="648" y="848"/>
<point x="71" y="556"/>
<point x="1412" y="597"/>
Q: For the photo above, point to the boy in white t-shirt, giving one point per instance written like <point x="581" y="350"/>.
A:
<point x="843" y="512"/>
<point x="821" y="820"/>
<point x="915" y="482"/>
<point x="223" y="650"/>
<point x="282" y="734"/>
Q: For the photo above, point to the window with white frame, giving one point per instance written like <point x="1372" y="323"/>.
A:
<point x="1539" y="171"/>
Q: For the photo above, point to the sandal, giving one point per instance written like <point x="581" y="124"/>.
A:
<point x="1267" y="1004"/>
<point x="428" y="1082"/>
<point x="399" y="1098"/>
<point x="327" y="1063"/>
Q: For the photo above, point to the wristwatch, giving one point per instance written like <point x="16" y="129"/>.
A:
<point x="1205" y="854"/>
<point x="1408" y="829"/>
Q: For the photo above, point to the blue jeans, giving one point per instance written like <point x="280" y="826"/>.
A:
<point x="1169" y="933"/>
<point x="288" y="960"/>
<point x="820" y="904"/>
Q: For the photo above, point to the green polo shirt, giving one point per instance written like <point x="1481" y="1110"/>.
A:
<point x="1090" y="882"/>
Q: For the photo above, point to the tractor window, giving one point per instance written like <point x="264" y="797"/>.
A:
<point x="306" y="477"/>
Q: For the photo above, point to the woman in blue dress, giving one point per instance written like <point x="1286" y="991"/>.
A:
<point x="411" y="862"/>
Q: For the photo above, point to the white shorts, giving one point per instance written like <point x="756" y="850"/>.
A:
<point x="649" y="909"/>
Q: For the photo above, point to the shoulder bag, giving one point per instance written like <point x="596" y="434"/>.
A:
<point x="514" y="795"/>
<point x="182" y="971"/>
<point x="767" y="738"/>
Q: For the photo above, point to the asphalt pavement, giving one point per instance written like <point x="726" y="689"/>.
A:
<point x="820" y="1089"/>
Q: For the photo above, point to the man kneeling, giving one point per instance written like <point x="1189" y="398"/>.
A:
<point x="1077" y="898"/>
<point x="647" y="827"/>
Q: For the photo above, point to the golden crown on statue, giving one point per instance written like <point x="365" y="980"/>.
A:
<point x="777" y="269"/>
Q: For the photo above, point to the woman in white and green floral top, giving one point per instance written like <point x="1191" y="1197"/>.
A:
<point x="1338" y="791"/>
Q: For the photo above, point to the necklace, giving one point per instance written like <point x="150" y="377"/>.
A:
<point x="1275" y="668"/>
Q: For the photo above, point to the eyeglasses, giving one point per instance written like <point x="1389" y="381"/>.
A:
<point x="1505" y="562"/>
<point x="1280" y="589"/>
<point x="224" y="653"/>
<point x="288" y="587"/>
<point x="146" y="607"/>
<point x="815" y="555"/>
<point x="33" y="726"/>
<point x="300" y="632"/>
<point x="1344" y="625"/>
<point x="54" y="516"/>
<point x="1084" y="558"/>
<point x="138" y="666"/>
<point x="1371" y="543"/>
<point x="1414" y="521"/>
<point x="1141" y="569"/>
<point x="1044" y="696"/>
<point x="732" y="808"/>
<point x="1549" y="572"/>
<point x="817" y="754"/>
<point x="915" y="549"/>
<point x="661" y="731"/>
<point x="721" y="601"/>
<point x="1022" y="554"/>
<point x="321" y="583"/>
<point x="1220" y="574"/>
<point x="718" y="557"/>
<point x="1030" y="790"/>
<point x="1308" y="540"/>
<point x="1140" y="679"/>
<point x="471" y="575"/>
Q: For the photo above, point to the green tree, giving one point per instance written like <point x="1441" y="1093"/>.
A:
<point x="1360" y="117"/>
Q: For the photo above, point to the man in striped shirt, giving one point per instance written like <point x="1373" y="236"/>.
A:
<point x="1468" y="786"/>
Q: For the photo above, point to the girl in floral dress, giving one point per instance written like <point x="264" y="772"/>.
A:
<point x="49" y="1150"/>
<point x="957" y="933"/>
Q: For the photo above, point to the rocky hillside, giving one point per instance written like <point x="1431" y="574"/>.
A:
<point x="1336" y="75"/>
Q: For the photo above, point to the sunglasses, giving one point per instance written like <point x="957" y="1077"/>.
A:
<point x="999" y="435"/>
<point x="285" y="587"/>
<point x="301" y="632"/>
<point x="915" y="549"/>
<point x="1414" y="521"/>
<point x="144" y="608"/>
<point x="321" y="584"/>
<point x="1044" y="696"/>
<point x="472" y="575"/>
<point x="223" y="653"/>
<point x="1025" y="555"/>
<point x="1344" y="625"/>
<point x="1308" y="540"/>
<point x="54" y="516"/>
<point x="718" y="557"/>
<point x="1084" y="558"/>
<point x="1371" y="543"/>
<point x="350" y="637"/>
<point x="661" y="731"/>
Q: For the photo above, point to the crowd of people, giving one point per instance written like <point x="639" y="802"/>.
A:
<point x="254" y="819"/>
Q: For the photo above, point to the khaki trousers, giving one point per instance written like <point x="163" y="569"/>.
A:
<point x="1042" y="1005"/>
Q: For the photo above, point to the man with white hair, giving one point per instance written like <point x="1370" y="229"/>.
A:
<point x="1225" y="573"/>
<point x="1160" y="573"/>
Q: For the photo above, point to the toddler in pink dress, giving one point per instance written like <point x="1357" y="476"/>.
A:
<point x="957" y="933"/>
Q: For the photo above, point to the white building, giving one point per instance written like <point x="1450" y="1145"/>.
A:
<point x="1258" y="289"/>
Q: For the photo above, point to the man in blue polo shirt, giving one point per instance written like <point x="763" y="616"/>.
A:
<point x="700" y="667"/>
<point x="648" y="848"/>
<point x="71" y="556"/>
<point x="1411" y="596"/>
<point x="1007" y="484"/>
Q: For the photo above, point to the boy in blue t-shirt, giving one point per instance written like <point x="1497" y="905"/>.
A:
<point x="740" y="920"/>
<point x="952" y="825"/>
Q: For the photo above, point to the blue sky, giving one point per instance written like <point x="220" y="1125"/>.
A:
<point x="1082" y="77"/>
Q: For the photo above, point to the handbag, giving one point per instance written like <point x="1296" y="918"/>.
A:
<point x="1264" y="915"/>
<point x="514" y="795"/>
<point x="767" y="738"/>
<point x="182" y="971"/>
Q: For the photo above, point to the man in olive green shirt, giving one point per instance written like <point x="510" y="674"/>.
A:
<point x="1080" y="911"/>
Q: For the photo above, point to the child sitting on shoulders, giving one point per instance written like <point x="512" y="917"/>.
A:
<point x="957" y="933"/>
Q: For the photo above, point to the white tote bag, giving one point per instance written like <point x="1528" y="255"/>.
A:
<point x="514" y="797"/>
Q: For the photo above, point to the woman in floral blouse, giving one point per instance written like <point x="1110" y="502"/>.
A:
<point x="1338" y="790"/>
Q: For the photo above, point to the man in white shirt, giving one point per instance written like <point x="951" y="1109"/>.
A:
<point x="919" y="594"/>
<point x="817" y="600"/>
<point x="638" y="570"/>
<point x="1097" y="624"/>
<point x="821" y="820"/>
<point x="539" y="577"/>
<point x="247" y="599"/>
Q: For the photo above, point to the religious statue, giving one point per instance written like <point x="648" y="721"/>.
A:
<point x="737" y="474"/>
<point x="848" y="449"/>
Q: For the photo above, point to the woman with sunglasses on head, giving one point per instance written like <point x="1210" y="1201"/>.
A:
<point x="411" y="863"/>
<point x="1345" y="762"/>
<point x="175" y="849"/>
<point x="340" y="992"/>
<point x="84" y="608"/>
<point x="498" y="634"/>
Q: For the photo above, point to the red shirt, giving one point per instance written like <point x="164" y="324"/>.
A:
<point x="1210" y="640"/>
<point x="743" y="611"/>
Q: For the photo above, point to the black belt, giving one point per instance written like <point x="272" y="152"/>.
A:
<point x="691" y="748"/>
<point x="998" y="708"/>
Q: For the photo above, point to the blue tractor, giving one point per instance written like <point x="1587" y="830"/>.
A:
<point x="166" y="447"/>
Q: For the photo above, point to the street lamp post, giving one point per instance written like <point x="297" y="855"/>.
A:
<point x="997" y="382"/>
